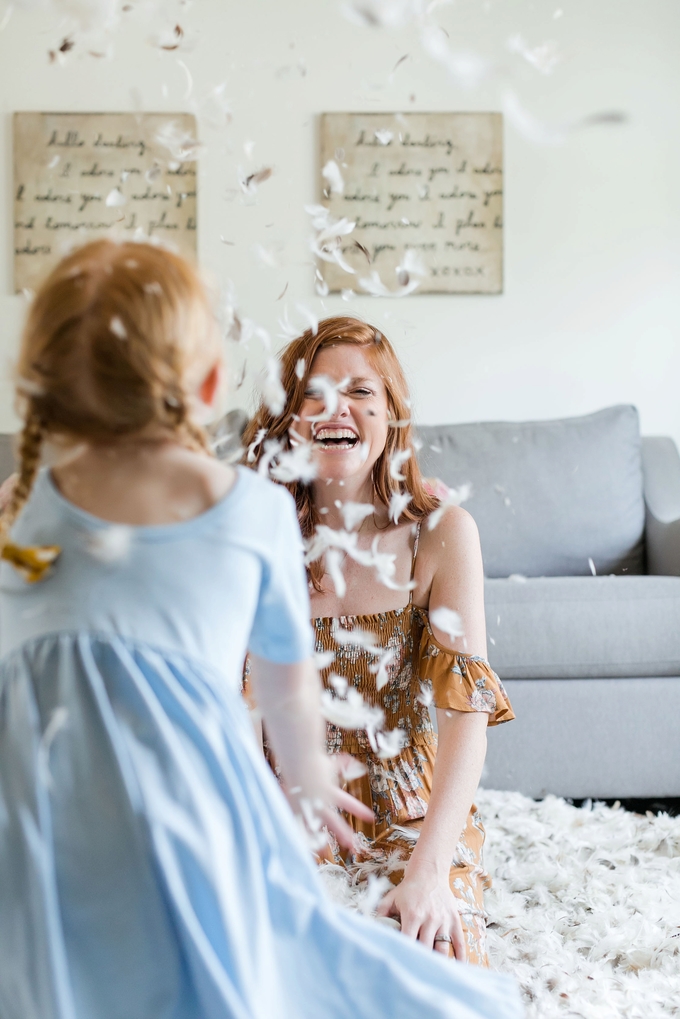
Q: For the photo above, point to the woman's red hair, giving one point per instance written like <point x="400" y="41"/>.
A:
<point x="379" y="351"/>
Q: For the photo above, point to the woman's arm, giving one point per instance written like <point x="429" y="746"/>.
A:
<point x="424" y="900"/>
<point x="288" y="697"/>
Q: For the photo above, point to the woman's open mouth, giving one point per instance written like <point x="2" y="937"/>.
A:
<point x="336" y="438"/>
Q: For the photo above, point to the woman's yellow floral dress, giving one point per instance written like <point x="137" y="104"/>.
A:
<point x="398" y="789"/>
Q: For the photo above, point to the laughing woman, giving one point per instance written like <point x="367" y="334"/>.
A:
<point x="422" y="796"/>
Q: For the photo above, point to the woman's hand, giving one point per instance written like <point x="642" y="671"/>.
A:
<point x="427" y="908"/>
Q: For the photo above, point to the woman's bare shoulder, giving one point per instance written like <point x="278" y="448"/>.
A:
<point x="455" y="530"/>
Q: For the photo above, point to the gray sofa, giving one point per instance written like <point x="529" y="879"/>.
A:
<point x="591" y="662"/>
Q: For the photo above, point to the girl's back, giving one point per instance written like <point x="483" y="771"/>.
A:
<point x="190" y="587"/>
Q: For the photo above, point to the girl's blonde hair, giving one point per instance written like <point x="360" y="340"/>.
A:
<point x="381" y="355"/>
<point x="115" y="339"/>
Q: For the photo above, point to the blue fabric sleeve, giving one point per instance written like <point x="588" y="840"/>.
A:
<point x="282" y="631"/>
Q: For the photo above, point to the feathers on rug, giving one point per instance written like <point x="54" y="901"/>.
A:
<point x="585" y="906"/>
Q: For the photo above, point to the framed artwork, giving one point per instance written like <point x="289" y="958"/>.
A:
<point x="425" y="192"/>
<point x="79" y="176"/>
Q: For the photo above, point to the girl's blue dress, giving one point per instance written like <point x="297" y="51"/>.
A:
<point x="150" y="867"/>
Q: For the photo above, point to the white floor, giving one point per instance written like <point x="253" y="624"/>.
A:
<point x="584" y="909"/>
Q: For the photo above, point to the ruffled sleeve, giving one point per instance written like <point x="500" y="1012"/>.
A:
<point x="461" y="682"/>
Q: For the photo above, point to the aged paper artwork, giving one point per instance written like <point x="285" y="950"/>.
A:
<point x="430" y="184"/>
<point x="79" y="176"/>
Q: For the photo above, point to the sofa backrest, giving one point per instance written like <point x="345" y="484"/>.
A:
<point x="548" y="496"/>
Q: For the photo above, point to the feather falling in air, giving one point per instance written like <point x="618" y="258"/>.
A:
<point x="398" y="503"/>
<point x="332" y="175"/>
<point x="390" y="743"/>
<point x="448" y="621"/>
<point x="115" y="199"/>
<point x="110" y="544"/>
<point x="295" y="464"/>
<point x="334" y="559"/>
<point x="273" y="393"/>
<point x="354" y="513"/>
<point x="117" y="328"/>
<point x="397" y="460"/>
<point x="328" y="392"/>
<point x="449" y="497"/>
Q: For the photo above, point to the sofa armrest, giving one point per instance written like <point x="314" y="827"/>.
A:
<point x="661" y="474"/>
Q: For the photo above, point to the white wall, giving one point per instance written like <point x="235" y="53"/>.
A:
<point x="591" y="310"/>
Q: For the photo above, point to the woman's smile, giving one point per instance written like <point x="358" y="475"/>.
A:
<point x="335" y="437"/>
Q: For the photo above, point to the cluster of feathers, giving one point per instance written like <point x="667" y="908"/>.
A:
<point x="584" y="910"/>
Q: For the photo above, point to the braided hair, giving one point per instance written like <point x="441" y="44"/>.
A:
<point x="117" y="341"/>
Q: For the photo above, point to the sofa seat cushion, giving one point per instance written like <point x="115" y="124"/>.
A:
<point x="548" y="496"/>
<point x="580" y="627"/>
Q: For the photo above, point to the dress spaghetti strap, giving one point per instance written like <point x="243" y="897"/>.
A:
<point x="413" y="558"/>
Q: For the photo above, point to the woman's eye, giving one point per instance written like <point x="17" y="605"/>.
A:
<point x="363" y="392"/>
<point x="312" y="394"/>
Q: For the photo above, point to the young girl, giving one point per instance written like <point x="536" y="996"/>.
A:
<point x="347" y="396"/>
<point x="150" y="867"/>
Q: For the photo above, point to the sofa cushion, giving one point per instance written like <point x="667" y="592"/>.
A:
<point x="548" y="495"/>
<point x="580" y="627"/>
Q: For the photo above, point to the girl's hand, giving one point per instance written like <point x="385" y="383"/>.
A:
<point x="319" y="801"/>
<point x="426" y="908"/>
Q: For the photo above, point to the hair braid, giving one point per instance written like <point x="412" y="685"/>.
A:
<point x="176" y="409"/>
<point x="30" y="448"/>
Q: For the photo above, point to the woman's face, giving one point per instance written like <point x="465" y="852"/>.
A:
<point x="351" y="440"/>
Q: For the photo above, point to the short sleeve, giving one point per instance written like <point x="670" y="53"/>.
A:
<point x="461" y="682"/>
<point x="282" y="629"/>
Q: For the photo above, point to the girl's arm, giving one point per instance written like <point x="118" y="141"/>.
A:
<point x="424" y="900"/>
<point x="288" y="697"/>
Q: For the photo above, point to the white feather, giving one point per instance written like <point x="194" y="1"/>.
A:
<point x="397" y="460"/>
<point x="373" y="285"/>
<point x="351" y="712"/>
<point x="426" y="695"/>
<point x="353" y="513"/>
<point x="331" y="173"/>
<point x="273" y="393"/>
<point x="181" y="145"/>
<point x="334" y="559"/>
<point x="110" y="544"/>
<point x="379" y="668"/>
<point x="390" y="743"/>
<point x="355" y="638"/>
<point x="351" y="769"/>
<point x="453" y="497"/>
<point x="252" y="448"/>
<point x="115" y="198"/>
<point x="295" y="464"/>
<point x="328" y="392"/>
<point x="544" y="58"/>
<point x="322" y="659"/>
<point x="117" y="328"/>
<point x="448" y="621"/>
<point x="271" y="450"/>
<point x="398" y="503"/>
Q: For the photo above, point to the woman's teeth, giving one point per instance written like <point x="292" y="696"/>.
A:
<point x="338" y="438"/>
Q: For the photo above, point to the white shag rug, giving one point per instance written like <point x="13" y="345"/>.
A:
<point x="585" y="906"/>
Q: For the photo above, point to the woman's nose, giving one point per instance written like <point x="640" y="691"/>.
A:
<point x="343" y="404"/>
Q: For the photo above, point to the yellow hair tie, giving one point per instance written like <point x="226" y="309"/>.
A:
<point x="33" y="563"/>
